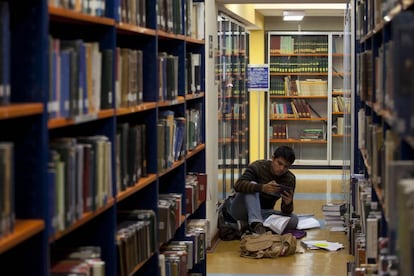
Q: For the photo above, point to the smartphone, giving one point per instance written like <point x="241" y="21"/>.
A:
<point x="284" y="188"/>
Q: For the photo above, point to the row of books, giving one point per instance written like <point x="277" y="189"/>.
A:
<point x="281" y="131"/>
<point x="169" y="13"/>
<point x="170" y="215"/>
<point x="81" y="78"/>
<point x="234" y="64"/>
<point x="396" y="102"/>
<point x="233" y="45"/>
<point x="394" y="247"/>
<point x="179" y="257"/>
<point x="193" y="73"/>
<point x="171" y="138"/>
<point x="338" y="126"/>
<point x="230" y="108"/>
<point x="80" y="178"/>
<point x="313" y="134"/>
<point x="135" y="238"/>
<point x="129" y="77"/>
<point x="194" y="126"/>
<point x="341" y="104"/>
<point x="278" y="131"/>
<point x="91" y="7"/>
<point x="233" y="86"/>
<point x="81" y="261"/>
<point x="298" y="45"/>
<point x="195" y="191"/>
<point x="286" y="86"/>
<point x="5" y="53"/>
<point x="7" y="204"/>
<point x="226" y="129"/>
<point x="376" y="11"/>
<point x="334" y="214"/>
<point x="131" y="154"/>
<point x="168" y="76"/>
<point x="227" y="150"/>
<point x="296" y="108"/>
<point x="298" y="64"/>
<point x="177" y="135"/>
<point x="169" y="16"/>
<point x="133" y="12"/>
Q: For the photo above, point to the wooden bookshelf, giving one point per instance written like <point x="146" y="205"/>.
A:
<point x="15" y="110"/>
<point x="384" y="150"/>
<point x="305" y="71"/>
<point x="23" y="230"/>
<point x="65" y="80"/>
<point x="63" y="14"/>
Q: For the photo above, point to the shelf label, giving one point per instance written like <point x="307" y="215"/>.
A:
<point x="258" y="77"/>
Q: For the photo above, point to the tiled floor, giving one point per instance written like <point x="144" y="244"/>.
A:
<point x="314" y="188"/>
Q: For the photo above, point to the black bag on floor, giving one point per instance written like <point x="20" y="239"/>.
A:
<point x="227" y="227"/>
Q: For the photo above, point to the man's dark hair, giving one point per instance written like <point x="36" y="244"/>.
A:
<point x="286" y="153"/>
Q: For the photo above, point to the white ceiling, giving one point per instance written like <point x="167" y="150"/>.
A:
<point x="274" y="8"/>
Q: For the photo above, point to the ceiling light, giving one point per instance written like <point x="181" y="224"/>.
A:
<point x="293" y="15"/>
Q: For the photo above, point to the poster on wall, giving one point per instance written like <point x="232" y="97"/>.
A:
<point x="258" y="77"/>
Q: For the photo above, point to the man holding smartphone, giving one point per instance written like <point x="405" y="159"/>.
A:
<point x="258" y="189"/>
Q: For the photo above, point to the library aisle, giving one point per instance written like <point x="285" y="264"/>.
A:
<point x="314" y="188"/>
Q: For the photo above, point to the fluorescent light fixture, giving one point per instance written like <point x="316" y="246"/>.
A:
<point x="302" y="6"/>
<point x="293" y="15"/>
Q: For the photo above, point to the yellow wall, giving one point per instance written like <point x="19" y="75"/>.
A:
<point x="257" y="101"/>
<point x="247" y="11"/>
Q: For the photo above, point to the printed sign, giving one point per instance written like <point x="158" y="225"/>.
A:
<point x="258" y="76"/>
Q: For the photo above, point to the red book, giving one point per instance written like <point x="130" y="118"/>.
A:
<point x="189" y="199"/>
<point x="202" y="186"/>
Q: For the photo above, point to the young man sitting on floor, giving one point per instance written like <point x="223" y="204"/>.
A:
<point x="260" y="186"/>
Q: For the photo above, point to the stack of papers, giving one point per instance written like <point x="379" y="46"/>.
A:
<point x="322" y="244"/>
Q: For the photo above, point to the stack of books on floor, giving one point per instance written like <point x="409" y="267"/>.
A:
<point x="334" y="214"/>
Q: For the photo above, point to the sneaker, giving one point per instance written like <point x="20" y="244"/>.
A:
<point x="259" y="228"/>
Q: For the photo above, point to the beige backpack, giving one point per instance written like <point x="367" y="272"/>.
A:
<point x="267" y="245"/>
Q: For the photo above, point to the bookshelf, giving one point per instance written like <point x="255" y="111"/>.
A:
<point x="231" y="63"/>
<point x="83" y="93"/>
<point x="380" y="230"/>
<point x="307" y="99"/>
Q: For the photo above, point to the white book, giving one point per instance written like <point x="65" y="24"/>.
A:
<point x="277" y="223"/>
<point x="161" y="264"/>
<point x="308" y="223"/>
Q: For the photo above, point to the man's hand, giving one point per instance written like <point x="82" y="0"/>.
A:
<point x="287" y="197"/>
<point x="271" y="187"/>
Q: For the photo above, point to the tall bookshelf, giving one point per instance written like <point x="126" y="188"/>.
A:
<point x="381" y="230"/>
<point x="231" y="63"/>
<point x="81" y="149"/>
<point x="307" y="100"/>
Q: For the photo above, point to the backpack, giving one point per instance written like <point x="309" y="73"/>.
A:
<point x="267" y="245"/>
<point x="228" y="229"/>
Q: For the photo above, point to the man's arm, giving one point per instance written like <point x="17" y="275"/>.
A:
<point x="247" y="182"/>
<point x="287" y="208"/>
<point x="287" y="199"/>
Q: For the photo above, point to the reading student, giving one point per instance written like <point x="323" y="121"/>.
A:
<point x="260" y="186"/>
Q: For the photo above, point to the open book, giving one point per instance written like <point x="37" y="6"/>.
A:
<point x="277" y="223"/>
<point x="308" y="223"/>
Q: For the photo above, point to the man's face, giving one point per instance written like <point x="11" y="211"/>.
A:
<point x="279" y="165"/>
